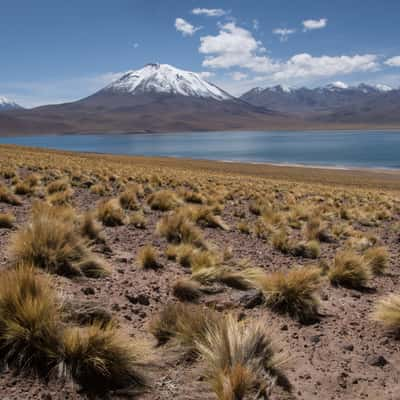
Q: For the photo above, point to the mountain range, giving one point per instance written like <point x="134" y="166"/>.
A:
<point x="160" y="97"/>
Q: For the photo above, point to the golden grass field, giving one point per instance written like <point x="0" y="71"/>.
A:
<point x="157" y="278"/>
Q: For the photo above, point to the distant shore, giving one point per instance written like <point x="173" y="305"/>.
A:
<point x="384" y="179"/>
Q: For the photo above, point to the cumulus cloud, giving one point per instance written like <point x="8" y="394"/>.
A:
<point x="256" y="24"/>
<point x="233" y="46"/>
<point x="236" y="47"/>
<point x="209" y="12"/>
<point x="186" y="28"/>
<point x="311" y="24"/>
<point x="306" y="66"/>
<point x="393" y="62"/>
<point x="238" y="76"/>
<point x="283" y="33"/>
<point x="206" y="74"/>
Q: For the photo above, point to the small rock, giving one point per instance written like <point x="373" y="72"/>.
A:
<point x="377" y="360"/>
<point x="251" y="299"/>
<point x="348" y="347"/>
<point x="142" y="299"/>
<point x="284" y="327"/>
<point x="315" y="338"/>
<point x="88" y="291"/>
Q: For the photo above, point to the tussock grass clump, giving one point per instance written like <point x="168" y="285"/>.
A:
<point x="148" y="258"/>
<point x="349" y="270"/>
<point x="387" y="312"/>
<point x="62" y="198"/>
<point x="309" y="249"/>
<point x="52" y="241"/>
<point x="100" y="358"/>
<point x="377" y="259"/>
<point x="280" y="241"/>
<point x="91" y="229"/>
<point x="293" y="293"/>
<point x="6" y="220"/>
<point x="182" y="253"/>
<point x="59" y="185"/>
<point x="164" y="200"/>
<point x="240" y="359"/>
<point x="99" y="189"/>
<point x="138" y="220"/>
<point x="128" y="200"/>
<point x="186" y="290"/>
<point x="110" y="213"/>
<point x="29" y="320"/>
<point x="186" y="323"/>
<point x="177" y="228"/>
<point x="9" y="198"/>
<point x="244" y="227"/>
<point x="23" y="188"/>
<point x="204" y="216"/>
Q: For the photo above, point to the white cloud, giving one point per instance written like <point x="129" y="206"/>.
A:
<point x="206" y="74"/>
<point x="311" y="24"/>
<point x="232" y="47"/>
<point x="236" y="47"/>
<point x="238" y="76"/>
<point x="393" y="62"/>
<point x="306" y="66"/>
<point x="186" y="28"/>
<point x="135" y="45"/>
<point x="256" y="24"/>
<point x="283" y="33"/>
<point x="209" y="12"/>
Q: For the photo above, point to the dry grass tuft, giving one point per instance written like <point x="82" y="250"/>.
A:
<point x="164" y="200"/>
<point x="6" y="220"/>
<point x="110" y="213"/>
<point x="240" y="359"/>
<point x="53" y="242"/>
<point x="186" y="323"/>
<point x="7" y="197"/>
<point x="349" y="270"/>
<point x="377" y="258"/>
<point x="91" y="229"/>
<point x="29" y="320"/>
<point x="101" y="359"/>
<point x="128" y="200"/>
<point x="186" y="290"/>
<point x="148" y="258"/>
<point x="387" y="312"/>
<point x="138" y="220"/>
<point x="293" y="293"/>
<point x="177" y="228"/>
<point x="60" y="185"/>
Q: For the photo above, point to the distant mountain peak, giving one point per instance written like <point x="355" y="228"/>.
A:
<point x="6" y="104"/>
<point x="164" y="78"/>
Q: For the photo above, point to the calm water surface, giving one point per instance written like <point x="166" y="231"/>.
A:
<point x="375" y="149"/>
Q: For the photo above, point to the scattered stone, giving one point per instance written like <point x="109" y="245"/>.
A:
<point x="251" y="299"/>
<point x="88" y="291"/>
<point x="377" y="360"/>
<point x="348" y="347"/>
<point x="284" y="327"/>
<point x="142" y="299"/>
<point x="315" y="338"/>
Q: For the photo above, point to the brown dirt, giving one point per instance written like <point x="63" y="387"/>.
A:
<point x="330" y="359"/>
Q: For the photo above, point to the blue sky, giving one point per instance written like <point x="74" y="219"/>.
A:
<point x="57" y="50"/>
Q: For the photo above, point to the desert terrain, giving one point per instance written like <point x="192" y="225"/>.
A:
<point x="159" y="279"/>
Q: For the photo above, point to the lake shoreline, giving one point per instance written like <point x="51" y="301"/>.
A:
<point x="367" y="178"/>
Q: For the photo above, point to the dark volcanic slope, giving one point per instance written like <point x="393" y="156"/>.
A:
<point x="107" y="112"/>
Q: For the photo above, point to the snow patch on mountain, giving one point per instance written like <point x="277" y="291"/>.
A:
<point x="164" y="78"/>
<point x="6" y="104"/>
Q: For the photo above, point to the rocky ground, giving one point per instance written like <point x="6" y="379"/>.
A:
<point x="343" y="356"/>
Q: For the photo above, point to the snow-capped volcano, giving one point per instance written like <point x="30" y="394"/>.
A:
<point x="166" y="79"/>
<point x="6" y="104"/>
